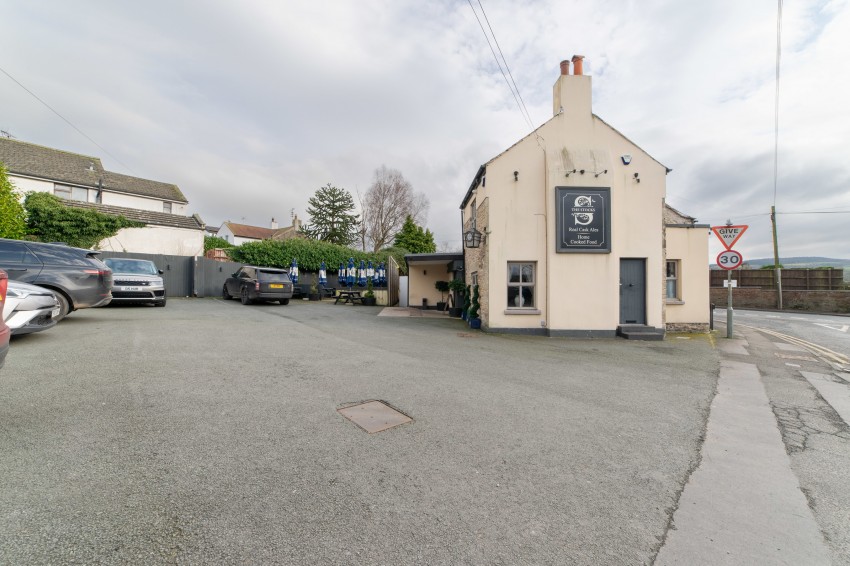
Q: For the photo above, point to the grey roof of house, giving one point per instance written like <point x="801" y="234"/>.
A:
<point x="37" y="161"/>
<point x="193" y="222"/>
<point x="674" y="217"/>
<point x="142" y="187"/>
<point x="32" y="160"/>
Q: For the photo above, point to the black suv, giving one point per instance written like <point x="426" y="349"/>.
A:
<point x="253" y="283"/>
<point x="77" y="278"/>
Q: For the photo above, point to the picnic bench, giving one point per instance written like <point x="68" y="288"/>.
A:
<point x="352" y="297"/>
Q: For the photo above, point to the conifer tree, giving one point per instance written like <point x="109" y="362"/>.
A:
<point x="414" y="239"/>
<point x="331" y="216"/>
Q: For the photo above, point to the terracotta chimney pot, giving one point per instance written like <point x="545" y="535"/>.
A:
<point x="565" y="67"/>
<point x="577" y="64"/>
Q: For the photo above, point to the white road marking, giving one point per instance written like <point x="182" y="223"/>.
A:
<point x="842" y="328"/>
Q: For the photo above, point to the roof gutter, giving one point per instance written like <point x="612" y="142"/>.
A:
<point x="475" y="183"/>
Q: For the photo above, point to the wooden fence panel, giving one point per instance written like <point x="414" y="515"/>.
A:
<point x="792" y="279"/>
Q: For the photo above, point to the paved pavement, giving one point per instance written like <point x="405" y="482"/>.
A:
<point x="758" y="496"/>
<point x="208" y="433"/>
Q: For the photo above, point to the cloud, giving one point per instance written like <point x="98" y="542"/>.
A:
<point x="251" y="106"/>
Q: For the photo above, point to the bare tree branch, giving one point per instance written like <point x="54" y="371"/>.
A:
<point x="389" y="200"/>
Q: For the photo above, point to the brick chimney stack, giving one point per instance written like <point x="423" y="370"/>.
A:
<point x="571" y="93"/>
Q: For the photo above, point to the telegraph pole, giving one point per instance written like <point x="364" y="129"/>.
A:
<point x="776" y="269"/>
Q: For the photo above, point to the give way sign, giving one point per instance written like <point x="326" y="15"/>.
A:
<point x="729" y="234"/>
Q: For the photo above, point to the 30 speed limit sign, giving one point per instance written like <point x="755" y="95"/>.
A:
<point x="729" y="259"/>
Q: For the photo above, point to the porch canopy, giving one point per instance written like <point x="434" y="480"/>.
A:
<point x="424" y="270"/>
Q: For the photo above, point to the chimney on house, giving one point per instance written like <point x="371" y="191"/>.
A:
<point x="577" y="66"/>
<point x="274" y="224"/>
<point x="296" y="223"/>
<point x="572" y="92"/>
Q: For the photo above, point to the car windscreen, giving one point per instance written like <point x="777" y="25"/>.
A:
<point x="141" y="267"/>
<point x="266" y="275"/>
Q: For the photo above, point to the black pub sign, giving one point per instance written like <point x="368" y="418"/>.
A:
<point x="583" y="219"/>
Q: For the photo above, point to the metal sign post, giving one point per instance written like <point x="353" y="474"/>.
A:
<point x="729" y="260"/>
<point x="729" y="310"/>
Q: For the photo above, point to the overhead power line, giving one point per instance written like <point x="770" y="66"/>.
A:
<point x="67" y="121"/>
<point x="513" y="88"/>
<point x="818" y="212"/>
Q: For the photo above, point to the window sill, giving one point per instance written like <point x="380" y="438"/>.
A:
<point x="675" y="302"/>
<point x="522" y="311"/>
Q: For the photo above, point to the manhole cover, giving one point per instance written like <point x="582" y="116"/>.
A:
<point x="374" y="416"/>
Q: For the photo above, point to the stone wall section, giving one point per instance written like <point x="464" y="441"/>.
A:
<point x="814" y="301"/>
<point x="477" y="260"/>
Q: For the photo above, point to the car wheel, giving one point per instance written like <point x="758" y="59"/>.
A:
<point x="244" y="296"/>
<point x="284" y="301"/>
<point x="64" y="306"/>
<point x="160" y="303"/>
<point x="224" y="294"/>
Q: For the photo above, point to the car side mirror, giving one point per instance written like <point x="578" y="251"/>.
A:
<point x="160" y="271"/>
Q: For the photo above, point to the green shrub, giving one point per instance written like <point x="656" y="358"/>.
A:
<point x="215" y="242"/>
<point x="475" y="306"/>
<point x="49" y="220"/>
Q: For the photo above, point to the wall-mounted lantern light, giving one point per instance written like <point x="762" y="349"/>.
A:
<point x="472" y="238"/>
<point x="516" y="175"/>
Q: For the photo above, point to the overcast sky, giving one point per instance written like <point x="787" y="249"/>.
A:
<point x="249" y="106"/>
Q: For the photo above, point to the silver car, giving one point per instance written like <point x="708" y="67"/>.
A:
<point x="29" y="308"/>
<point x="136" y="281"/>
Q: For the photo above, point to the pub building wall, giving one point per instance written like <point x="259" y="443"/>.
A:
<point x="576" y="291"/>
<point x="692" y="309"/>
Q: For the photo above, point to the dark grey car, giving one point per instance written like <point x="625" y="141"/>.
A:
<point x="251" y="283"/>
<point x="76" y="276"/>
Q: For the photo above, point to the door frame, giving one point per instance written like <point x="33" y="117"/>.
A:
<point x="642" y="261"/>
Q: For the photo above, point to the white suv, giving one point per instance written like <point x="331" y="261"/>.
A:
<point x="136" y="281"/>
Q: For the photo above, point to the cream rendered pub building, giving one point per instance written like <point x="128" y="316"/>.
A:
<point x="567" y="232"/>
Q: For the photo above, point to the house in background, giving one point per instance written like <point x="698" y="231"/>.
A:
<point x="566" y="232"/>
<point x="238" y="234"/>
<point x="82" y="182"/>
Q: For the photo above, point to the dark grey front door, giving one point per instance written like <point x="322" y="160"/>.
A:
<point x="632" y="291"/>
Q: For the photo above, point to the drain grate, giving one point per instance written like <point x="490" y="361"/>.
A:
<point x="374" y="416"/>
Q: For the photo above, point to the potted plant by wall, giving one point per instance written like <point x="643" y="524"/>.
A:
<point x="442" y="287"/>
<point x="314" y="289"/>
<point x="474" y="309"/>
<point x="458" y="288"/>
<point x="369" y="296"/>
<point x="467" y="302"/>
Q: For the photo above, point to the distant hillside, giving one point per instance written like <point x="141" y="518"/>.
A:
<point x="809" y="262"/>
